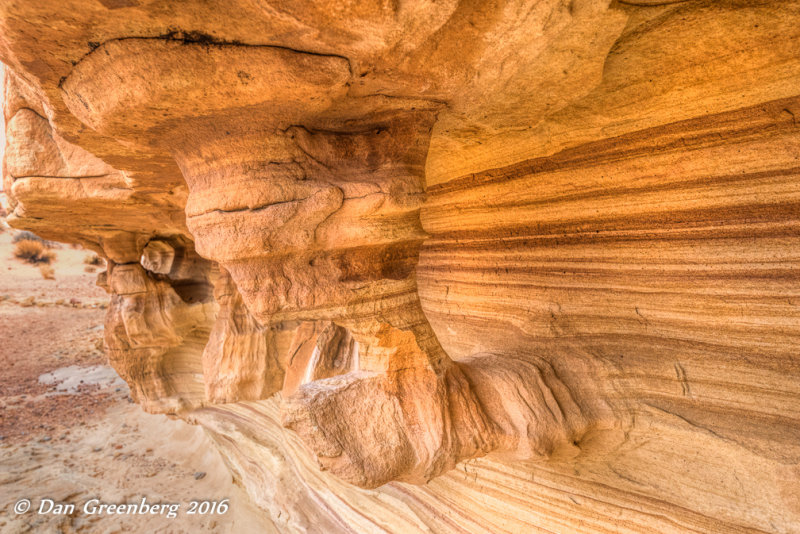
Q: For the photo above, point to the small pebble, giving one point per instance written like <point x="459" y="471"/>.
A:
<point x="198" y="475"/>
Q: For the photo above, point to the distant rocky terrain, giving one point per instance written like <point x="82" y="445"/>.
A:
<point x="69" y="430"/>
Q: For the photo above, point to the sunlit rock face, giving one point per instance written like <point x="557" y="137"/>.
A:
<point x="440" y="266"/>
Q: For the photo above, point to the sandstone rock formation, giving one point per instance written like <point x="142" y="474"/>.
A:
<point x="440" y="266"/>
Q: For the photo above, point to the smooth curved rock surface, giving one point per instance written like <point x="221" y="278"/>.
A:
<point x="439" y="266"/>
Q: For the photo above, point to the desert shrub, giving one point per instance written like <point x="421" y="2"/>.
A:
<point x="33" y="251"/>
<point x="25" y="235"/>
<point x="93" y="259"/>
<point x="48" y="273"/>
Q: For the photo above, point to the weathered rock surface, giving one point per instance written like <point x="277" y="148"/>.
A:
<point x="440" y="266"/>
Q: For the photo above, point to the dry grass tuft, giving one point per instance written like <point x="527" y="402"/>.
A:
<point x="93" y="259"/>
<point x="33" y="251"/>
<point x="48" y="273"/>
<point x="24" y="235"/>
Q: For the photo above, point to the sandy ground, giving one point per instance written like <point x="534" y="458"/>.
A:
<point x="69" y="431"/>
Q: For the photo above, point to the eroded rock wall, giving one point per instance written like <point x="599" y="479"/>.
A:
<point x="440" y="266"/>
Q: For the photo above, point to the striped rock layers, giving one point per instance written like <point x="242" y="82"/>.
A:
<point x="440" y="266"/>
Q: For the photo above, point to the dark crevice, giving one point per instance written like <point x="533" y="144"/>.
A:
<point x="256" y="209"/>
<point x="645" y="3"/>
<point x="24" y="108"/>
<point x="202" y="39"/>
<point x="58" y="177"/>
<point x="191" y="291"/>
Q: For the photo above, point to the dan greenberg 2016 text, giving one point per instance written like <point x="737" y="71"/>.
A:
<point x="98" y="507"/>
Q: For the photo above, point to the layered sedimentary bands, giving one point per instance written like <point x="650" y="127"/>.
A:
<point x="454" y="266"/>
